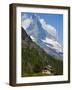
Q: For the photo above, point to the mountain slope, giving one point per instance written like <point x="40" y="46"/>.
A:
<point x="35" y="59"/>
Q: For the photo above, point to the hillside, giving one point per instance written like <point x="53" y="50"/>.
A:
<point x="35" y="59"/>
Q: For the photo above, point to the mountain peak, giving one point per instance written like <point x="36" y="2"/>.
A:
<point x="44" y="35"/>
<point x="34" y="16"/>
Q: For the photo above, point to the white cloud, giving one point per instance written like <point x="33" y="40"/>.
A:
<point x="49" y="28"/>
<point x="25" y="23"/>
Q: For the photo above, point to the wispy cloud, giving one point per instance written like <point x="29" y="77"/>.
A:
<point x="25" y="23"/>
<point x="49" y="28"/>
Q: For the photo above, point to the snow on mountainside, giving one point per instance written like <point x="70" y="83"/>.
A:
<point x="43" y="34"/>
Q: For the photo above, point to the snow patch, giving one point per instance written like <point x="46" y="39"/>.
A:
<point x="33" y="38"/>
<point x="54" y="44"/>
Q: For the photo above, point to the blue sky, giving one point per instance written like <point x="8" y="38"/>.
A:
<point x="56" y="20"/>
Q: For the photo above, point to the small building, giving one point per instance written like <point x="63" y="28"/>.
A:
<point x="45" y="71"/>
<point x="48" y="70"/>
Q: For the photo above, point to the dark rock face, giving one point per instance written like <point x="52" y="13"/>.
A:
<point x="24" y="35"/>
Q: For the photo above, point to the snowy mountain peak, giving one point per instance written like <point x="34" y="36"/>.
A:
<point x="44" y="34"/>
